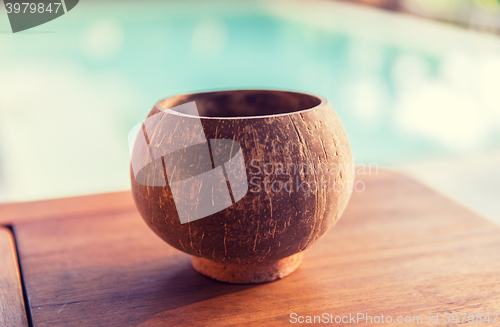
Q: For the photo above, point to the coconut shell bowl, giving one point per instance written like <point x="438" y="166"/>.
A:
<point x="243" y="181"/>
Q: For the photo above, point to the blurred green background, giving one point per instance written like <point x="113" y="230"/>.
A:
<point x="481" y="15"/>
<point x="414" y="94"/>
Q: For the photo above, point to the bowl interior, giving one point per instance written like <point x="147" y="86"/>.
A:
<point x="245" y="103"/>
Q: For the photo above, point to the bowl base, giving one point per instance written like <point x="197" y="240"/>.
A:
<point x="250" y="273"/>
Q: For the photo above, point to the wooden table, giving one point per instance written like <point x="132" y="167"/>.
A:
<point x="400" y="250"/>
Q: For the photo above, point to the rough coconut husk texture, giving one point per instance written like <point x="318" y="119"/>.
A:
<point x="263" y="227"/>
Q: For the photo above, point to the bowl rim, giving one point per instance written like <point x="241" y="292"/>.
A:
<point x="323" y="103"/>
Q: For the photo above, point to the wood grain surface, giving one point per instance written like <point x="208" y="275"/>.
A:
<point x="399" y="250"/>
<point x="81" y="206"/>
<point x="12" y="311"/>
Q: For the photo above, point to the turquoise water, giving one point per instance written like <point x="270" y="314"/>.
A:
<point x="72" y="88"/>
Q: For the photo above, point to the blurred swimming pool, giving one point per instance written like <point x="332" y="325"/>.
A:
<point x="407" y="90"/>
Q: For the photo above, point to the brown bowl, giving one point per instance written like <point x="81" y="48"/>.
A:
<point x="243" y="181"/>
